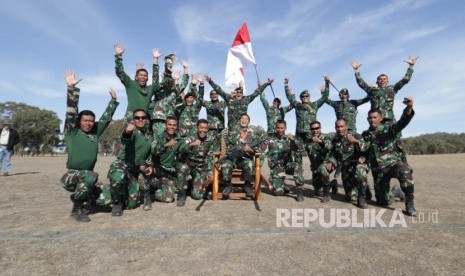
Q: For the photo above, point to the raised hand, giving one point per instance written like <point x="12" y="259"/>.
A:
<point x="322" y="88"/>
<point x="130" y="128"/>
<point x="70" y="78"/>
<point x="270" y="81"/>
<point x="156" y="53"/>
<point x="355" y="65"/>
<point x="200" y="77"/>
<point x="112" y="94"/>
<point x="194" y="79"/>
<point x="408" y="101"/>
<point x="184" y="64"/>
<point x="286" y="81"/>
<point x="411" y="60"/>
<point x="176" y="75"/>
<point x="119" y="49"/>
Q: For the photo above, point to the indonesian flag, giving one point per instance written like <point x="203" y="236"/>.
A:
<point x="239" y="55"/>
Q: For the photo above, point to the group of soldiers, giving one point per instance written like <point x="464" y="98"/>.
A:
<point x="168" y="150"/>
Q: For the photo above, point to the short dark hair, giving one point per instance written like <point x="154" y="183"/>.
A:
<point x="375" y="110"/>
<point x="85" y="113"/>
<point x="202" y="121"/>
<point x="341" y="119"/>
<point x="245" y="114"/>
<point x="141" y="69"/>
<point x="315" y="122"/>
<point x="277" y="100"/>
<point x="171" y="118"/>
<point x="280" y="121"/>
<point x="382" y="75"/>
<point x="139" y="110"/>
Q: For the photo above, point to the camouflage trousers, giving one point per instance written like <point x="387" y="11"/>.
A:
<point x="278" y="173"/>
<point x="400" y="170"/>
<point x="300" y="141"/>
<point x="198" y="174"/>
<point x="245" y="164"/>
<point x="126" y="183"/>
<point x="353" y="176"/>
<point x="80" y="182"/>
<point x="165" y="185"/>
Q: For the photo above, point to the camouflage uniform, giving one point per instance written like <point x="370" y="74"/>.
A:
<point x="82" y="148"/>
<point x="382" y="98"/>
<point x="188" y="115"/>
<point x="348" y="111"/>
<point x="194" y="162"/>
<point x="235" y="107"/>
<point x="162" y="109"/>
<point x="273" y="114"/>
<point x="317" y="153"/>
<point x="386" y="159"/>
<point x="215" y="117"/>
<point x="305" y="114"/>
<point x="164" y="163"/>
<point x="246" y="162"/>
<point x="138" y="97"/>
<point x="280" y="161"/>
<point x="124" y="173"/>
<point x="350" y="159"/>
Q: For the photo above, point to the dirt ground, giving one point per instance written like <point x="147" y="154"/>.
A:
<point x="38" y="237"/>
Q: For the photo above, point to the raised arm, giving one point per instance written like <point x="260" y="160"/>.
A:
<point x="324" y="93"/>
<point x="72" y="101"/>
<point x="408" y="75"/>
<point x="405" y="119"/>
<point x="259" y="90"/>
<point x="119" y="69"/>
<point x="360" y="102"/>
<point x="361" y="83"/>
<point x="290" y="93"/>
<point x="156" y="70"/>
<point x="265" y="103"/>
<point x="218" y="89"/>
<point x="106" y="117"/>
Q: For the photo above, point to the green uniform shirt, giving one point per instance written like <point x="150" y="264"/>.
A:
<point x="83" y="147"/>
<point x="347" y="110"/>
<point x="165" y="157"/>
<point x="273" y="114"/>
<point x="136" y="147"/>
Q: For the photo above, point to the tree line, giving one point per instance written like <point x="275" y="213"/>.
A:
<point x="40" y="134"/>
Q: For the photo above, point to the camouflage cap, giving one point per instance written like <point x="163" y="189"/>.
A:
<point x="190" y="94"/>
<point x="171" y="57"/>
<point x="277" y="100"/>
<point x="304" y="93"/>
<point x="344" y="91"/>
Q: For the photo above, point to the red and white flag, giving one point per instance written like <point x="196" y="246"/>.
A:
<point x="239" y="55"/>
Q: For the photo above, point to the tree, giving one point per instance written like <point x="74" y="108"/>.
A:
<point x="110" y="141"/>
<point x="259" y="132"/>
<point x="39" y="129"/>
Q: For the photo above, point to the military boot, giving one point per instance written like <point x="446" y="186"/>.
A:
<point x="334" y="187"/>
<point x="361" y="201"/>
<point x="300" y="196"/>
<point x="248" y="189"/>
<point x="181" y="201"/>
<point x="326" y="196"/>
<point x="397" y="192"/>
<point x="409" y="206"/>
<point x="117" y="208"/>
<point x="368" y="194"/>
<point x="78" y="212"/>
<point x="227" y="189"/>
<point x="147" y="201"/>
<point x="348" y="193"/>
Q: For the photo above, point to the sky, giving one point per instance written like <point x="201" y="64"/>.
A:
<point x="301" y="40"/>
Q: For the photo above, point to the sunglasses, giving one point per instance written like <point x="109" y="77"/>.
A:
<point x="239" y="92"/>
<point x="140" y="117"/>
<point x="315" y="128"/>
<point x="306" y="96"/>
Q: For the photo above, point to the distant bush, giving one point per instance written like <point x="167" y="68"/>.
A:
<point x="435" y="143"/>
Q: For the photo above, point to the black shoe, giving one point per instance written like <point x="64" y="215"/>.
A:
<point x="117" y="209"/>
<point x="78" y="213"/>
<point x="300" y="196"/>
<point x="326" y="197"/>
<point x="278" y="191"/>
<point x="286" y="189"/>
<point x="409" y="206"/>
<point x="334" y="187"/>
<point x="361" y="202"/>
<point x="147" y="202"/>
<point x="249" y="191"/>
<point x="181" y="201"/>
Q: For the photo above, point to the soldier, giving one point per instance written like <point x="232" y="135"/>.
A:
<point x="279" y="149"/>
<point x="164" y="150"/>
<point x="188" y="111"/>
<point x="317" y="146"/>
<point x="347" y="109"/>
<point x="139" y="94"/>
<point x="194" y="155"/>
<point x="239" y="104"/>
<point x="128" y="172"/>
<point x="305" y="111"/>
<point x="82" y="135"/>
<point x="346" y="153"/>
<point x="386" y="160"/>
<point x="382" y="95"/>
<point x="241" y="139"/>
<point x="215" y="114"/>
<point x="165" y="107"/>
<point x="274" y="112"/>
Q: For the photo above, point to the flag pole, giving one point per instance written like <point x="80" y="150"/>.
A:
<point x="258" y="80"/>
<point x="330" y="82"/>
